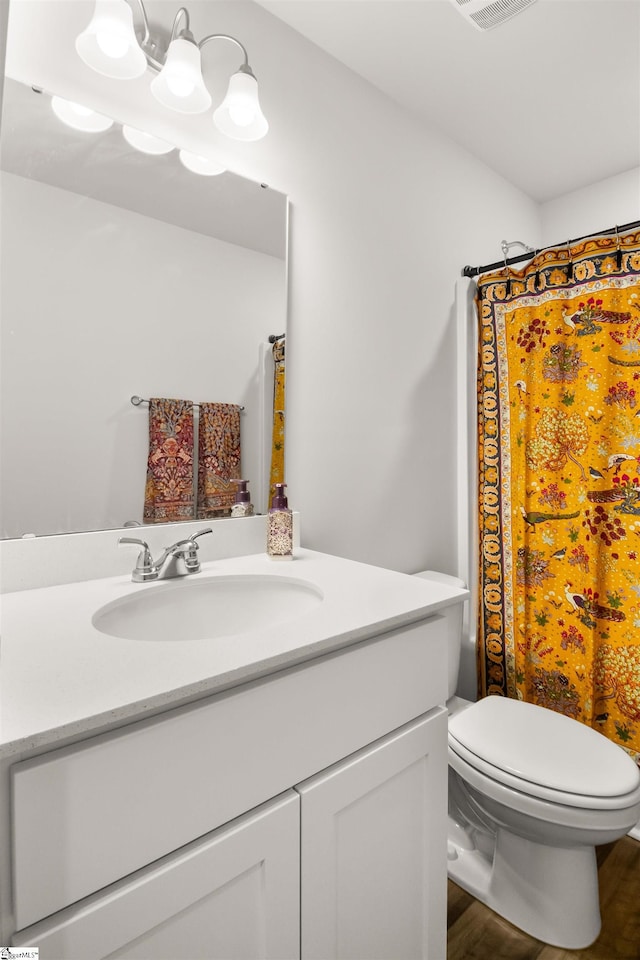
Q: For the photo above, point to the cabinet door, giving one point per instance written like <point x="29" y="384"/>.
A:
<point x="234" y="894"/>
<point x="373" y="848"/>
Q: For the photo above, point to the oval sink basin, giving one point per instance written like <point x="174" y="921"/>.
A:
<point x="200" y="608"/>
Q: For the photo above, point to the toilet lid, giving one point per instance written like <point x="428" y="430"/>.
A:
<point x="542" y="747"/>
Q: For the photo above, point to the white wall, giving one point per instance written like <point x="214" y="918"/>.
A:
<point x="4" y="17"/>
<point x="385" y="213"/>
<point x="605" y="204"/>
<point x="98" y="304"/>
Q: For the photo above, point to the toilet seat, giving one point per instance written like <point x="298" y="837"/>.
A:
<point x="544" y="754"/>
<point x="501" y="778"/>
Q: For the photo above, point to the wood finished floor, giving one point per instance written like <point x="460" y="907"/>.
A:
<point x="476" y="933"/>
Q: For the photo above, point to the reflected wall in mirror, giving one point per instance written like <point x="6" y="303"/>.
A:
<point x="122" y="274"/>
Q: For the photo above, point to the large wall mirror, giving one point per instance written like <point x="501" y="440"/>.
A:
<point x="122" y="274"/>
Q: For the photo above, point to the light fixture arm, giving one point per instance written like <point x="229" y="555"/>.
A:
<point x="182" y="12"/>
<point x="223" y="36"/>
<point x="145" y="41"/>
<point x="143" y="13"/>
<point x="184" y="31"/>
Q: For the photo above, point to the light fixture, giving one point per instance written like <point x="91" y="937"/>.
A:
<point x="202" y="165"/>
<point x="79" y="117"/>
<point x="239" y="115"/>
<point x="179" y="85"/>
<point x="146" y="142"/>
<point x="111" y="45"/>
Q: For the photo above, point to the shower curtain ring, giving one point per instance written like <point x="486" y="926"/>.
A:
<point x="618" y="251"/>
<point x="506" y="269"/>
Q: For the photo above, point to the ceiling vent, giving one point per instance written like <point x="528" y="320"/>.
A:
<point x="485" y="14"/>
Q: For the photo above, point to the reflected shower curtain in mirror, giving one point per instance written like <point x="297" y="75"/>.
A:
<point x="276" y="474"/>
<point x="559" y="487"/>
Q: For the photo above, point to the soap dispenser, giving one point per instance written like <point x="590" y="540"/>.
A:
<point x="242" y="506"/>
<point x="280" y="526"/>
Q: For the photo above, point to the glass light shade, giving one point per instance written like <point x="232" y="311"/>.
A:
<point x="201" y="165"/>
<point x="239" y="115"/>
<point x="109" y="44"/>
<point x="79" y="117"/>
<point x="146" y="142"/>
<point x="179" y="85"/>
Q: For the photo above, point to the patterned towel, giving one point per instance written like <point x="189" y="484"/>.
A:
<point x="218" y="458"/>
<point x="169" y="488"/>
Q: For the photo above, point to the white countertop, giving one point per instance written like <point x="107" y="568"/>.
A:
<point x="62" y="679"/>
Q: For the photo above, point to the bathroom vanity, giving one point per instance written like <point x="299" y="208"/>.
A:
<point x="276" y="792"/>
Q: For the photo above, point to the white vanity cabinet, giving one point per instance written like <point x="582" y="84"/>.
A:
<point x="299" y="814"/>
<point x="373" y="856"/>
<point x="234" y="895"/>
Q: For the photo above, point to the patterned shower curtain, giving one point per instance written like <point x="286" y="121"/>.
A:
<point x="559" y="496"/>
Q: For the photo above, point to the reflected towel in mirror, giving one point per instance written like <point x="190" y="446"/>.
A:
<point x="169" y="486"/>
<point x="219" y="461"/>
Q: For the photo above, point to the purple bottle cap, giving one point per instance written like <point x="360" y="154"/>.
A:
<point x="242" y="494"/>
<point x="279" y="500"/>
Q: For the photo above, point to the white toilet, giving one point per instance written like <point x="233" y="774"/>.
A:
<point x="531" y="793"/>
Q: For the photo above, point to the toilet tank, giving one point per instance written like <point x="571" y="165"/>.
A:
<point x="453" y="618"/>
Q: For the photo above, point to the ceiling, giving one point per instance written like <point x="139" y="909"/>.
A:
<point x="550" y="99"/>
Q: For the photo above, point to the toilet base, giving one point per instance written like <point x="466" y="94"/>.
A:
<point x="551" y="893"/>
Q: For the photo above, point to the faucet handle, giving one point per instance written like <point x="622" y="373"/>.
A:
<point x="189" y="543"/>
<point x="201" y="533"/>
<point x="141" y="543"/>
<point x="144" y="569"/>
<point x="191" y="560"/>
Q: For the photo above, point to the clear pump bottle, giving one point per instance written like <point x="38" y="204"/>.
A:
<point x="280" y="526"/>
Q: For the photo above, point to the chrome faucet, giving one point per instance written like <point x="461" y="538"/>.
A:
<point x="178" y="560"/>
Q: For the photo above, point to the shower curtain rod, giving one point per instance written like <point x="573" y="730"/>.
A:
<point x="476" y="271"/>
